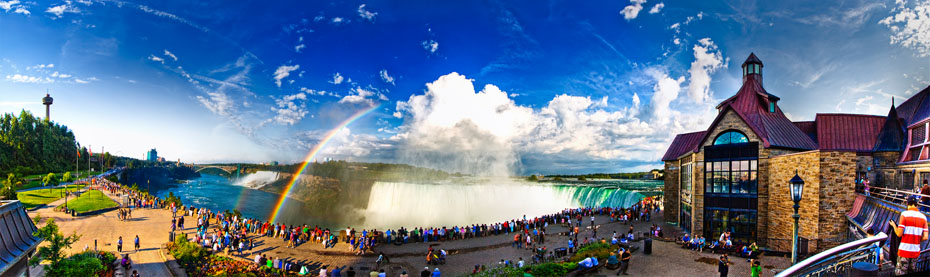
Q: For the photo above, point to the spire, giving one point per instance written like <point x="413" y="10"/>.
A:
<point x="752" y="68"/>
<point x="891" y="137"/>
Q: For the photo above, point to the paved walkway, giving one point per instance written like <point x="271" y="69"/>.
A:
<point x="152" y="225"/>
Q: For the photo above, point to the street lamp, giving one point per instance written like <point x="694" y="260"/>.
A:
<point x="796" y="187"/>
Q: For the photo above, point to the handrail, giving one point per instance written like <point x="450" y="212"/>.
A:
<point x="893" y="194"/>
<point x="830" y="253"/>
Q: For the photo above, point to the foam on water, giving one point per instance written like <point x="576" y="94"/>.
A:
<point x="393" y="205"/>
<point x="257" y="179"/>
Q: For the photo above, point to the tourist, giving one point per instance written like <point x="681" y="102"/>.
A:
<point x="586" y="263"/>
<point x="351" y="272"/>
<point x="258" y="259"/>
<point x="925" y="198"/>
<point x="134" y="273"/>
<point x="723" y="266"/>
<point x="436" y="272"/>
<point x="520" y="263"/>
<point x="865" y="183"/>
<point x="119" y="244"/>
<point x="425" y="272"/>
<point x="756" y="269"/>
<point x="304" y="270"/>
<point x="624" y="261"/>
<point x="571" y="246"/>
<point x="404" y="274"/>
<point x="912" y="228"/>
<point x="373" y="273"/>
<point x="878" y="257"/>
<point x="323" y="272"/>
<point x="136" y="242"/>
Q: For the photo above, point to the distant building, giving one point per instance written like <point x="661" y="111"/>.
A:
<point x="274" y="163"/>
<point x="18" y="243"/>
<point x="161" y="159"/>
<point x="152" y="155"/>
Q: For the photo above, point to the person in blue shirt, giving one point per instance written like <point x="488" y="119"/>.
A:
<point x="571" y="246"/>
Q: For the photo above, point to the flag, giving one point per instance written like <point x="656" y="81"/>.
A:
<point x="78" y="150"/>
<point x="89" y="152"/>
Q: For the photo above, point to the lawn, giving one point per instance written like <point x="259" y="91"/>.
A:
<point x="37" y="197"/>
<point x="33" y="181"/>
<point x="91" y="200"/>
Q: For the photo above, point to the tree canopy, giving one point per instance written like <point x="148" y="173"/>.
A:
<point x="30" y="145"/>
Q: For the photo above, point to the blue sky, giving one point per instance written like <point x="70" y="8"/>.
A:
<point x="488" y="87"/>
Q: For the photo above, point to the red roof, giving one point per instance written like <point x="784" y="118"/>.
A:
<point x="852" y="132"/>
<point x="683" y="144"/>
<point x="751" y="104"/>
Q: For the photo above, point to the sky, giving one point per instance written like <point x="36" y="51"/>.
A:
<point x="482" y="87"/>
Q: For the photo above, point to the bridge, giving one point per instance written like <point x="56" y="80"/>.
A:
<point x="228" y="169"/>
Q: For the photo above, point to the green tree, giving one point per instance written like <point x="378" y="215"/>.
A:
<point x="532" y="178"/>
<point x="53" y="252"/>
<point x="82" y="264"/>
<point x="66" y="177"/>
<point x="50" y="180"/>
<point x="9" y="186"/>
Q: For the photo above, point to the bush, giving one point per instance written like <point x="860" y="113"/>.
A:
<point x="188" y="254"/>
<point x="599" y="250"/>
<point x="553" y="269"/>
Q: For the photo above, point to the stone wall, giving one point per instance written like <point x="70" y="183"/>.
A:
<point x="697" y="206"/>
<point x="884" y="165"/>
<point x="837" y="193"/>
<point x="780" y="225"/>
<point x="671" y="197"/>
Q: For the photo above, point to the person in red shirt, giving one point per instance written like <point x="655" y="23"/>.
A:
<point x="912" y="228"/>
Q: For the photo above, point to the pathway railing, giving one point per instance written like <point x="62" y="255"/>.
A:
<point x="894" y="196"/>
<point x="837" y="260"/>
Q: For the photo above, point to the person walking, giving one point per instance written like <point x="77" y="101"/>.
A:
<point x="119" y="244"/>
<point x="756" y="269"/>
<point x="925" y="198"/>
<point x="136" y="242"/>
<point x="912" y="228"/>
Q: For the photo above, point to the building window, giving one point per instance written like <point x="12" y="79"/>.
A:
<point x="919" y="134"/>
<point x="685" y="183"/>
<point x="685" y="217"/>
<point x="732" y="177"/>
<point x="771" y="107"/>
<point x="730" y="137"/>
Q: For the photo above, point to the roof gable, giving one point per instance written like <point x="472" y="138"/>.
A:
<point x="683" y="144"/>
<point x="891" y="137"/>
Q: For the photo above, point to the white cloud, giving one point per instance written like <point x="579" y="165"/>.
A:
<point x="17" y="78"/>
<point x="677" y="41"/>
<point x="431" y="46"/>
<point x="657" y="8"/>
<point x="290" y="109"/>
<point x="21" y="10"/>
<point x="284" y="71"/>
<point x="217" y="102"/>
<point x="665" y="91"/>
<point x="7" y="5"/>
<point x="630" y="12"/>
<point x="312" y="92"/>
<point x="452" y="126"/>
<point x="707" y="60"/>
<point x="156" y="59"/>
<point x="337" y="79"/>
<point x="362" y="12"/>
<point x="318" y="18"/>
<point x="385" y="77"/>
<point x="169" y="54"/>
<point x="60" y="75"/>
<point x="359" y="96"/>
<point x="337" y="20"/>
<point x="80" y="81"/>
<point x="60" y="10"/>
<point x="299" y="47"/>
<point x="910" y="26"/>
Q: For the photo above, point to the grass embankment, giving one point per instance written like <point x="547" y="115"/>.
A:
<point x="38" y="197"/>
<point x="91" y="200"/>
<point x="34" y="181"/>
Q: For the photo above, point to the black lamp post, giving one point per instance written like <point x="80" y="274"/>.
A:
<point x="796" y="187"/>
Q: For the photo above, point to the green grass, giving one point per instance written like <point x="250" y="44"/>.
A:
<point x="38" y="197"/>
<point x="34" y="181"/>
<point x="91" y="200"/>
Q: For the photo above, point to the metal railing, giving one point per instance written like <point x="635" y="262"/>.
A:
<point x="893" y="195"/>
<point x="837" y="260"/>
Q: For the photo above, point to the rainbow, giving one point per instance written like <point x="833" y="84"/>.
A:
<point x="313" y="152"/>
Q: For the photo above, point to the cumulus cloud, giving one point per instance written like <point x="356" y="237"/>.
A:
<point x="657" y="8"/>
<point x="910" y="26"/>
<point x="60" y="10"/>
<point x="665" y="91"/>
<point x="337" y="79"/>
<point x="299" y="47"/>
<point x="632" y="11"/>
<point x="360" y="95"/>
<point x="431" y="46"/>
<point x="337" y="20"/>
<point x="290" y="109"/>
<point x="15" y="6"/>
<point x="707" y="60"/>
<point x="367" y="15"/>
<point x="385" y="77"/>
<point x="452" y="126"/>
<point x="283" y="71"/>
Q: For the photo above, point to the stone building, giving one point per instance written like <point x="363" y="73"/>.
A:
<point x="734" y="175"/>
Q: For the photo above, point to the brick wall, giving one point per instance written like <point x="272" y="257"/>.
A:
<point x="837" y="192"/>
<point x="671" y="198"/>
<point x="780" y="224"/>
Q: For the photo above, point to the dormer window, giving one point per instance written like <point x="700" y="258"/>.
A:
<point x="771" y="107"/>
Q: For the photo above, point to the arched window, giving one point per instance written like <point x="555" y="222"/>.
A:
<point x="729" y="137"/>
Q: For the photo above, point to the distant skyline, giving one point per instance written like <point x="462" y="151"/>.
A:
<point x="493" y="87"/>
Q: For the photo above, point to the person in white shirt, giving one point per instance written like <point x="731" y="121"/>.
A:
<point x="520" y="263"/>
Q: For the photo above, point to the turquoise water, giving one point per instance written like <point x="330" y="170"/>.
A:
<point x="392" y="205"/>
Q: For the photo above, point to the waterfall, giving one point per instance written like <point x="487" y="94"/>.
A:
<point x="393" y="204"/>
<point x="257" y="180"/>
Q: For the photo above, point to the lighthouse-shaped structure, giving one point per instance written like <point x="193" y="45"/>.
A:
<point x="47" y="101"/>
